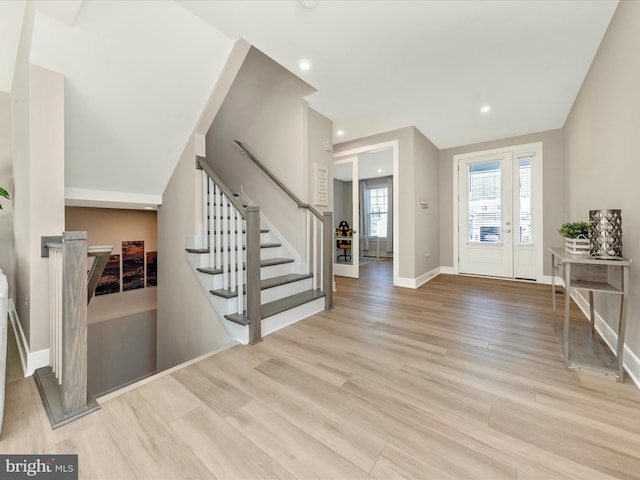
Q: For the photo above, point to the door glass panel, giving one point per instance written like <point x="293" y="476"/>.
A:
<point x="485" y="202"/>
<point x="525" y="217"/>
<point x="343" y="212"/>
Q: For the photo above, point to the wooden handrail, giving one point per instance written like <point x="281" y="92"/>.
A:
<point x="276" y="181"/>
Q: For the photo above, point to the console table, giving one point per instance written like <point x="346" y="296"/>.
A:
<point x="582" y="351"/>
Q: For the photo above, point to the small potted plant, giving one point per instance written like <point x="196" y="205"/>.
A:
<point x="5" y="194"/>
<point x="576" y="237"/>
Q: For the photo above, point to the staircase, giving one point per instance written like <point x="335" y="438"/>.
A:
<point x="255" y="281"/>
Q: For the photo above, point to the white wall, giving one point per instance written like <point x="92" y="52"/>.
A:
<point x="38" y="166"/>
<point x="601" y="145"/>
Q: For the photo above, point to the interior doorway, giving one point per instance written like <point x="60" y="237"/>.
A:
<point x="365" y="213"/>
<point x="499" y="212"/>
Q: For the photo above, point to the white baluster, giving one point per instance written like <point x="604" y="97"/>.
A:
<point x="203" y="237"/>
<point x="218" y="216"/>
<point x="232" y="249"/>
<point x="321" y="258"/>
<point x="308" y="230"/>
<point x="225" y="243"/>
<point x="210" y="223"/>
<point x="55" y="328"/>
<point x="315" y="251"/>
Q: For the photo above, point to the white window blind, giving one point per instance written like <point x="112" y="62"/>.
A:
<point x="526" y="206"/>
<point x="378" y="210"/>
<point x="485" y="202"/>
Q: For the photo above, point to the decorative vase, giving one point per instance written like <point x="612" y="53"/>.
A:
<point x="605" y="233"/>
<point x="576" y="246"/>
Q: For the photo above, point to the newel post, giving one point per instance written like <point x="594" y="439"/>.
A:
<point x="74" y="321"/>
<point x="254" y="315"/>
<point x="327" y="260"/>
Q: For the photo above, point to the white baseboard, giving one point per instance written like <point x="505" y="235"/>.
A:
<point x="548" y="280"/>
<point x="448" y="270"/>
<point x="631" y="361"/>
<point x="417" y="282"/>
<point x="30" y="361"/>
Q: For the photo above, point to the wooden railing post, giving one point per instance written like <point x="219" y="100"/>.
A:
<point x="253" y="274"/>
<point x="74" y="327"/>
<point x="327" y="259"/>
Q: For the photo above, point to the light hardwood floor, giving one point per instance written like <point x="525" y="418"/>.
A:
<point x="459" y="379"/>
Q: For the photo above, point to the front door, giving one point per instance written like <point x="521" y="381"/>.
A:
<point x="500" y="213"/>
<point x="485" y="215"/>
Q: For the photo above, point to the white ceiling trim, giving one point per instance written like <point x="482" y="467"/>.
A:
<point x="84" y="197"/>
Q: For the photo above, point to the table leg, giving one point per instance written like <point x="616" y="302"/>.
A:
<point x="592" y="316"/>
<point x="567" y="306"/>
<point x="622" y="324"/>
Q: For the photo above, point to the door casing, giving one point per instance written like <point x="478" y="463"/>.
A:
<point x="535" y="151"/>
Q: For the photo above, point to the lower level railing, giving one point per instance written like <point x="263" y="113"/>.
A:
<point x="72" y="282"/>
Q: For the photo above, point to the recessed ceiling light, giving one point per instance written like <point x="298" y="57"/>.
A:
<point x="304" y="64"/>
<point x="308" y="3"/>
<point x="485" y="108"/>
<point x="340" y="133"/>
<point x="379" y="170"/>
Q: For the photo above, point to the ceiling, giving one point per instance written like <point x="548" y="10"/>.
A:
<point x="133" y="92"/>
<point x="138" y="73"/>
<point x="374" y="164"/>
<point x="386" y="64"/>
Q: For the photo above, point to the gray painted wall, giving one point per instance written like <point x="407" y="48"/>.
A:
<point x="406" y="243"/>
<point x="553" y="201"/>
<point x="320" y="128"/>
<point x="7" y="259"/>
<point x="427" y="221"/>
<point x="187" y="323"/>
<point x="120" y="351"/>
<point x="418" y="178"/>
<point x="343" y="202"/>
<point x="602" y="144"/>
<point x="264" y="110"/>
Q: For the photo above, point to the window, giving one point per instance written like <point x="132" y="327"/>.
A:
<point x="485" y="202"/>
<point x="378" y="209"/>
<point x="526" y="222"/>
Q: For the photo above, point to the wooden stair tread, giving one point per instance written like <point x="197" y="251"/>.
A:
<point x="279" y="306"/>
<point x="264" y="284"/>
<point x="244" y="247"/>
<point x="267" y="262"/>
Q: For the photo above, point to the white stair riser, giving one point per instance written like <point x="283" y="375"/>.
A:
<point x="276" y="293"/>
<point x="286" y="290"/>
<point x="201" y="260"/>
<point x="283" y="319"/>
<point x="276" y="322"/>
<point x="215" y="282"/>
<point x="238" y="332"/>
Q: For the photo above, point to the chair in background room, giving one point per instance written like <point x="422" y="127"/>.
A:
<point x="344" y="230"/>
